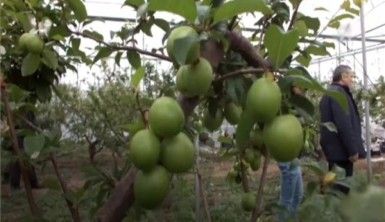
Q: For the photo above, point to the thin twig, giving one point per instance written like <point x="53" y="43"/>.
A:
<point x="327" y="25"/>
<point x="27" y="183"/>
<point x="126" y="48"/>
<point x="245" y="179"/>
<point x="73" y="210"/>
<point x="264" y="25"/>
<point x="84" y="118"/>
<point x="141" y="110"/>
<point x="240" y="72"/>
<point x="258" y="209"/>
<point x="245" y="71"/>
<point x="71" y="206"/>
<point x="203" y="195"/>
<point x="294" y="16"/>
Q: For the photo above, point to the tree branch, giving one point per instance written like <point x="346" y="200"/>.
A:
<point x="126" y="48"/>
<point x="240" y="72"/>
<point x="71" y="206"/>
<point x="243" y="72"/>
<point x="203" y="195"/>
<point x="27" y="184"/>
<point x="294" y="16"/>
<point x="143" y="112"/>
<point x="258" y="209"/>
<point x="73" y="209"/>
<point x="242" y="45"/>
<point x="245" y="179"/>
<point x="121" y="199"/>
<point x="188" y="104"/>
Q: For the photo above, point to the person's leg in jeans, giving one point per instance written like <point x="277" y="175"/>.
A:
<point x="298" y="192"/>
<point x="291" y="190"/>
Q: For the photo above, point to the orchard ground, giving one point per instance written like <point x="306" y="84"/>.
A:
<point x="223" y="197"/>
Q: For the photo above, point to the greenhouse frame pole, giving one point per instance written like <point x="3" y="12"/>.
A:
<point x="366" y="102"/>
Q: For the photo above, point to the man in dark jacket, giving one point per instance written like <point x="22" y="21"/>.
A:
<point x="344" y="147"/>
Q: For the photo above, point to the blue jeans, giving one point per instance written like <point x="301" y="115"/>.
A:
<point x="291" y="190"/>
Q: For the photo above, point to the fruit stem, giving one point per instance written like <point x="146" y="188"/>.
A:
<point x="245" y="181"/>
<point x="142" y="111"/>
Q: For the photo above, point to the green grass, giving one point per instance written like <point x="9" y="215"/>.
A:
<point x="223" y="196"/>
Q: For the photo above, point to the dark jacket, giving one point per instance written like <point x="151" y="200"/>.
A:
<point x="347" y="141"/>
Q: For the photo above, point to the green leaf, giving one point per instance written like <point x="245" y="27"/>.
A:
<point x="301" y="27"/>
<point x="366" y="205"/>
<point x="343" y="16"/>
<point x="303" y="105"/>
<point x="321" y="9"/>
<point x="280" y="44"/>
<point x="225" y="139"/>
<point x="335" y="22"/>
<point x="295" y="3"/>
<point x="303" y="59"/>
<point x="301" y="77"/>
<point x="346" y="4"/>
<point x="133" y="127"/>
<point x="24" y="20"/>
<point x="134" y="3"/>
<point x="353" y="11"/>
<point x="146" y="27"/>
<point x="134" y="59"/>
<point x="301" y="81"/>
<point x="185" y="8"/>
<point x="50" y="58"/>
<point x="163" y="24"/>
<point x="329" y="44"/>
<point x="359" y="2"/>
<point x="95" y="35"/>
<point x="235" y="89"/>
<point x="245" y="125"/>
<point x="59" y="32"/>
<point x="282" y="12"/>
<point x="339" y="98"/>
<point x="142" y="10"/>
<point x="117" y="57"/>
<point x="315" y="168"/>
<point x="311" y="188"/>
<point x="16" y="94"/>
<point x="43" y="92"/>
<point x="79" y="9"/>
<point x="226" y="154"/>
<point x="75" y="43"/>
<point x="137" y="77"/>
<point x="182" y="48"/>
<point x="33" y="145"/>
<point x="103" y="52"/>
<point x="311" y="23"/>
<point x="330" y="126"/>
<point x="236" y="7"/>
<point x="30" y="64"/>
<point x="321" y="50"/>
<point x="51" y="183"/>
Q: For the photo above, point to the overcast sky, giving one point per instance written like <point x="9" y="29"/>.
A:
<point x="321" y="67"/>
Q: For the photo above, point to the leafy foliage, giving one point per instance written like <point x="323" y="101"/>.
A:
<point x="104" y="118"/>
